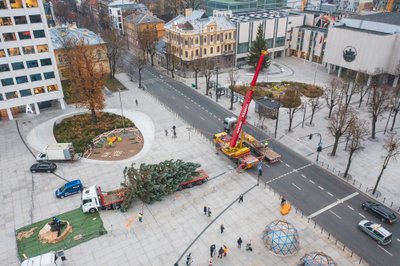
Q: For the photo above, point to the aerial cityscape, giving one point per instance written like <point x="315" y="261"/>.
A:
<point x="199" y="132"/>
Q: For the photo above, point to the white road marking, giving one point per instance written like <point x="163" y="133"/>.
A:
<point x="351" y="208"/>
<point x="186" y="107"/>
<point x="303" y="176"/>
<point x="330" y="194"/>
<point x="398" y="239"/>
<point x="296" y="186"/>
<point x="335" y="214"/>
<point x="288" y="173"/>
<point x="321" y="188"/>
<point x="330" y="206"/>
<point x="312" y="182"/>
<point x="361" y="215"/>
<point x="385" y="250"/>
<point x="202" y="118"/>
<point x="287" y="165"/>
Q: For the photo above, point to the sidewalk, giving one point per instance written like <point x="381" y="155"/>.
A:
<point x="296" y="69"/>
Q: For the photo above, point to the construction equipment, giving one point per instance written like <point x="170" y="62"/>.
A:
<point x="389" y="6"/>
<point x="304" y="4"/>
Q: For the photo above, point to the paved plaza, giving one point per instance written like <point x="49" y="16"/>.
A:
<point x="172" y="226"/>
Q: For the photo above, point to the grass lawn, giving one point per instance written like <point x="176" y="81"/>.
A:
<point x="113" y="85"/>
<point x="80" y="131"/>
<point x="88" y="225"/>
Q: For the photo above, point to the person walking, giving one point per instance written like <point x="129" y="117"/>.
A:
<point x="241" y="198"/>
<point x="174" y="134"/>
<point x="205" y="209"/>
<point x="240" y="241"/>
<point x="248" y="246"/>
<point x="209" y="212"/>
<point x="220" y="252"/>
<point x="225" y="250"/>
<point x="136" y="101"/>
<point x="222" y="228"/>
<point x="140" y="217"/>
<point x="166" y="132"/>
<point x="283" y="200"/>
<point x="212" y="250"/>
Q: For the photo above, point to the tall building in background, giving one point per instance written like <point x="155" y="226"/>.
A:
<point x="29" y="79"/>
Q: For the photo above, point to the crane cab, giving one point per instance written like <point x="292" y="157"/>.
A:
<point x="229" y="124"/>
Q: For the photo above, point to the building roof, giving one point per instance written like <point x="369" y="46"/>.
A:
<point x="57" y="35"/>
<point x="392" y="18"/>
<point x="361" y="30"/>
<point x="142" y="18"/>
<point x="312" y="28"/>
<point x="198" y="21"/>
<point x="125" y="5"/>
<point x="259" y="15"/>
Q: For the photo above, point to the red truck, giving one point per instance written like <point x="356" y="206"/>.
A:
<point x="198" y="180"/>
<point x="93" y="199"/>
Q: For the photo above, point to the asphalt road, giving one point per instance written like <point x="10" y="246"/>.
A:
<point x="331" y="202"/>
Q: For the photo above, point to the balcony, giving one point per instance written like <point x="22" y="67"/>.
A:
<point x="229" y="52"/>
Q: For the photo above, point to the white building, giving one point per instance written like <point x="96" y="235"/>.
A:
<point x="28" y="70"/>
<point x="369" y="44"/>
<point x="119" y="9"/>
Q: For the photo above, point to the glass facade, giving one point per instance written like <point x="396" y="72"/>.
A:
<point x="243" y="5"/>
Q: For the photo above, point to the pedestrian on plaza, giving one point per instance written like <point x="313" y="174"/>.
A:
<point x="240" y="241"/>
<point x="173" y="128"/>
<point x="210" y="262"/>
<point x="248" y="246"/>
<point x="140" y="217"/>
<point x="205" y="209"/>
<point x="241" y="198"/>
<point x="212" y="250"/>
<point x="225" y="250"/>
<point x="136" y="101"/>
<point x="222" y="228"/>
<point x="283" y="200"/>
<point x="174" y="134"/>
<point x="220" y="252"/>
<point x="166" y="132"/>
<point x="209" y="212"/>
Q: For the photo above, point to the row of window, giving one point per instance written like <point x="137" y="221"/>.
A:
<point x="23" y="35"/>
<point x="16" y="4"/>
<point x="198" y="40"/>
<point x="27" y="92"/>
<point x="41" y="48"/>
<point x="19" y="20"/>
<point x="227" y="47"/>
<point x="29" y="64"/>
<point x="24" y="79"/>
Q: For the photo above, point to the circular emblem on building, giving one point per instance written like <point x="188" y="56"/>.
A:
<point x="349" y="53"/>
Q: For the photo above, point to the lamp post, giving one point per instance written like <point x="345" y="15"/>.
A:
<point x="216" y="86"/>
<point x="277" y="115"/>
<point x="122" y="110"/>
<point x="304" y="114"/>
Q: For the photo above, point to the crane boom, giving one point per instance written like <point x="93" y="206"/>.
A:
<point x="246" y="102"/>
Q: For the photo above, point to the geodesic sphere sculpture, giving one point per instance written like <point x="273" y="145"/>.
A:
<point x="316" y="258"/>
<point x="281" y="238"/>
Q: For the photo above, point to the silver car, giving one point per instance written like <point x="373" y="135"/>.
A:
<point x="376" y="231"/>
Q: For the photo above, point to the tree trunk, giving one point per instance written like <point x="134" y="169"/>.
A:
<point x="195" y="78"/>
<point x="335" y="145"/>
<point x="379" y="179"/>
<point x="172" y="72"/>
<point x="312" y="114"/>
<point x="394" y="118"/>
<point x="140" y="78"/>
<point x="93" y="115"/>
<point x="330" y="111"/>
<point x="290" y="119"/>
<point x="348" y="164"/>
<point x="374" y="119"/>
<point x="231" y="108"/>
<point x="152" y="59"/>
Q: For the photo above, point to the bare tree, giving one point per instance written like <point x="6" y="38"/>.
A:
<point x="207" y="67"/>
<point x="175" y="7"/>
<point x="332" y="94"/>
<point x="196" y="69"/>
<point x="377" y="103"/>
<point x="174" y="63"/>
<point x="291" y="100"/>
<point x="395" y="104"/>
<point x="348" y="87"/>
<point x="361" y="87"/>
<point x="392" y="148"/>
<point x="139" y="60"/>
<point x="358" y="131"/>
<point x="233" y="75"/>
<point x="339" y="124"/>
<point x="129" y="66"/>
<point x="194" y="4"/>
<point x="115" y="47"/>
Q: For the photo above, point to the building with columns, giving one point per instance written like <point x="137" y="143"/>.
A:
<point x="28" y="72"/>
<point x="369" y="44"/>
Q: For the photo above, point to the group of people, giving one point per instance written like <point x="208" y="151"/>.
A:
<point x="207" y="211"/>
<point x="173" y="132"/>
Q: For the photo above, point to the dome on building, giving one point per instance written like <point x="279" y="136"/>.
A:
<point x="281" y="238"/>
<point x="316" y="259"/>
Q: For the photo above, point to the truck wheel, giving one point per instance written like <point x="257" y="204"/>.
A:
<point x="62" y="196"/>
<point x="48" y="171"/>
<point x="33" y="171"/>
<point x="117" y="206"/>
<point x="92" y="210"/>
<point x="189" y="185"/>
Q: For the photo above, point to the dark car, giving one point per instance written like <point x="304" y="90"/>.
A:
<point x="48" y="167"/>
<point x="380" y="211"/>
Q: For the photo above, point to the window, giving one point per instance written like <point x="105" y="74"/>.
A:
<point x="24" y="35"/>
<point x="9" y="37"/>
<point x="205" y="51"/>
<point x="38" y="90"/>
<point x="243" y="48"/>
<point x="230" y="35"/>
<point x="119" y="19"/>
<point x="39" y="34"/>
<point x="20" y="20"/>
<point x="211" y="50"/>
<point x="45" y="62"/>
<point x="186" y="54"/>
<point x="48" y="75"/>
<point x="11" y="95"/>
<point x="191" y="54"/>
<point x="196" y="41"/>
<point x="212" y="38"/>
<point x="25" y="93"/>
<point x="4" y="21"/>
<point x="217" y="37"/>
<point x="28" y="49"/>
<point x="32" y="63"/>
<point x="3" y="4"/>
<point x="205" y="40"/>
<point x="31" y="3"/>
<point x="4" y="68"/>
<point x="13" y="51"/>
<point x="7" y="82"/>
<point x="35" y="18"/>
<point x="1" y="95"/>
<point x="119" y="12"/>
<point x="16" y="4"/>
<point x="52" y="88"/>
<point x="17" y="65"/>
<point x="197" y="52"/>
<point x="21" y="79"/>
<point x="2" y="53"/>
<point x="280" y="41"/>
<point x="42" y="48"/>
<point x="217" y="49"/>
<point x="36" y="77"/>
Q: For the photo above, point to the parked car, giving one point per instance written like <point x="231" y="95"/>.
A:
<point x="376" y="231"/>
<point x="383" y="213"/>
<point x="69" y="188"/>
<point x="45" y="166"/>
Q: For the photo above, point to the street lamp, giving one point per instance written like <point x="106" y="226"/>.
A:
<point x="216" y="87"/>
<point x="277" y="115"/>
<point x="122" y="110"/>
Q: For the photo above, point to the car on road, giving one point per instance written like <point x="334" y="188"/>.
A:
<point x="383" y="213"/>
<point x="376" y="231"/>
<point x="44" y="167"/>
<point x="69" y="188"/>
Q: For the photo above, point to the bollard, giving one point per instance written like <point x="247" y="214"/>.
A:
<point x="339" y="175"/>
<point x="329" y="235"/>
<point x="322" y="163"/>
<point x="296" y="209"/>
<point x="327" y="166"/>
<point x="360" y="185"/>
<point x="302" y="214"/>
<point x="391" y="204"/>
<point x="333" y="170"/>
<point x="308" y="221"/>
<point x="384" y="198"/>
<point x="315" y="224"/>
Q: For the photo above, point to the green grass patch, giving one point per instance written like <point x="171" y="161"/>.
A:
<point x="86" y="224"/>
<point x="80" y="131"/>
<point x="113" y="85"/>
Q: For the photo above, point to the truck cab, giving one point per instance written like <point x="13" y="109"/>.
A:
<point x="229" y="124"/>
<point x="69" y="188"/>
<point x="90" y="200"/>
<point x="48" y="259"/>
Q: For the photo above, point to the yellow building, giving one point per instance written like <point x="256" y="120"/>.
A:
<point x="60" y="34"/>
<point x="196" y="36"/>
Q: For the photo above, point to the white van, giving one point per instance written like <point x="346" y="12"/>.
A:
<point x="48" y="259"/>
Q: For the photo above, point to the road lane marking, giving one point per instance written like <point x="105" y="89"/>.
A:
<point x="312" y="182"/>
<point x="287" y="165"/>
<point x="202" y="118"/>
<point x="361" y="215"/>
<point x="351" y="208"/>
<point x="330" y="194"/>
<point x="335" y="214"/>
<point x="288" y="173"/>
<point x="296" y="186"/>
<point x="303" y="176"/>
<point x="398" y="239"/>
<point x="187" y="107"/>
<point x="330" y="206"/>
<point x="385" y="250"/>
<point x="321" y="188"/>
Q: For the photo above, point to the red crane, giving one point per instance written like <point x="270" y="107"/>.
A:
<point x="246" y="103"/>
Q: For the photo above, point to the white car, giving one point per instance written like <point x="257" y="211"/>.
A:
<point x="376" y="231"/>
